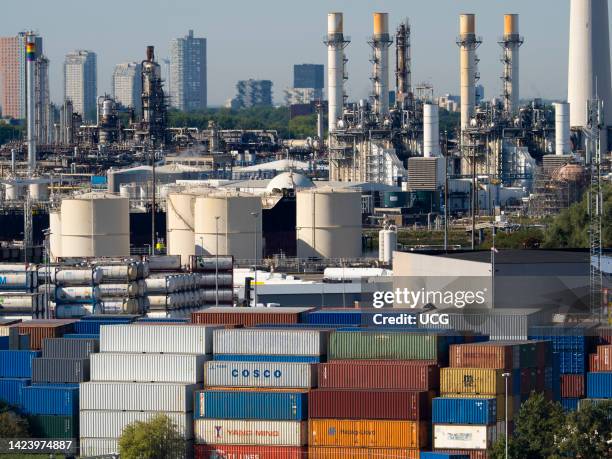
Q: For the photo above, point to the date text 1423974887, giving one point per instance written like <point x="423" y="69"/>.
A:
<point x="37" y="445"/>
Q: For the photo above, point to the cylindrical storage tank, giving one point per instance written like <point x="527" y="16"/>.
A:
<point x="55" y="235"/>
<point x="225" y="296"/>
<point x="389" y="245"/>
<point x="120" y="305"/>
<point x="328" y="224"/>
<point x="76" y="294"/>
<point x="13" y="191"/>
<point x="562" y="129"/>
<point x="130" y="290"/>
<point x="95" y="225"/>
<point x="180" y="226"/>
<point x="77" y="276"/>
<point x="431" y="131"/>
<point x="39" y="191"/>
<point x="239" y="225"/>
<point x="126" y="272"/>
<point x="210" y="280"/>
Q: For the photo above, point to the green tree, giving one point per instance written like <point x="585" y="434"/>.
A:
<point x="537" y="427"/>
<point x="11" y="424"/>
<point x="301" y="127"/>
<point x="588" y="432"/>
<point x="157" y="438"/>
<point x="524" y="238"/>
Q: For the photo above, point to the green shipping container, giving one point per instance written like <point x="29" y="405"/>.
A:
<point x="47" y="426"/>
<point x="387" y="345"/>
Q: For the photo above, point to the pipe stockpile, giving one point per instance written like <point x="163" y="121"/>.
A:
<point x="18" y="292"/>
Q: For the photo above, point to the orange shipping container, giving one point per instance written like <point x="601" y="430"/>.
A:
<point x="482" y="356"/>
<point x="604" y="358"/>
<point x="593" y="362"/>
<point x="367" y="433"/>
<point x="318" y="452"/>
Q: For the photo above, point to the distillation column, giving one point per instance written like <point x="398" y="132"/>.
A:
<point x="403" y="70"/>
<point x="31" y="102"/>
<point x="510" y="43"/>
<point x="562" y="129"/>
<point x="467" y="44"/>
<point x="380" y="43"/>
<point x="431" y="131"/>
<point x="336" y="43"/>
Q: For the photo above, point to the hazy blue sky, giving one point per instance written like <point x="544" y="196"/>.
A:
<point x="263" y="39"/>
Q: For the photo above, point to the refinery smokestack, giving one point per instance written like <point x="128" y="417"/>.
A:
<point x="380" y="59"/>
<point x="30" y="101"/>
<point x="468" y="42"/>
<point x="589" y="61"/>
<point x="511" y="42"/>
<point x="403" y="62"/>
<point x="335" y="67"/>
<point x="562" y="129"/>
<point x="431" y="131"/>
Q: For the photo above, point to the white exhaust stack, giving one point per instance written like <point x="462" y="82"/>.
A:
<point x="431" y="131"/>
<point x="562" y="129"/>
<point x="511" y="43"/>
<point x="30" y="101"/>
<point x="380" y="44"/>
<point x="467" y="53"/>
<point x="335" y="67"/>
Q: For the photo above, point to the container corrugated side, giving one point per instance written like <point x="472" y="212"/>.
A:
<point x="175" y="338"/>
<point x="383" y="374"/>
<point x="513" y="403"/>
<point x="267" y="358"/>
<point x="236" y="404"/>
<point x="60" y="370"/>
<point x="387" y="346"/>
<point x="249" y="452"/>
<point x="249" y="317"/>
<point x="327" y="452"/>
<point x="93" y="326"/>
<point x="572" y="386"/>
<point x="463" y="436"/>
<point x="17" y="364"/>
<point x="472" y="381"/>
<point x="46" y="426"/>
<point x="179" y="368"/>
<point x="60" y="348"/>
<point x="246" y="432"/>
<point x="260" y="374"/>
<point x="40" y="329"/>
<point x="599" y="385"/>
<point x="10" y="389"/>
<point x="484" y="355"/>
<point x="369" y="404"/>
<point x="604" y="358"/>
<point x="93" y="447"/>
<point x="470" y="453"/>
<point x="367" y="433"/>
<point x="270" y="341"/>
<point x="128" y="396"/>
<point x="52" y="400"/>
<point x="464" y="411"/>
<point x="110" y="424"/>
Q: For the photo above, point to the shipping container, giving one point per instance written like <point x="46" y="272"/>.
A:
<point x="260" y="374"/>
<point x="387" y="345"/>
<point x="593" y="362"/>
<point x="470" y="453"/>
<point x="453" y="436"/>
<point x="178" y="368"/>
<point x="485" y="355"/>
<point x="17" y="364"/>
<point x="433" y="455"/>
<point x="52" y="400"/>
<point x="464" y="411"/>
<point x="236" y="404"/>
<point x="572" y="386"/>
<point x="249" y="452"/>
<point x="122" y="396"/>
<point x="10" y="390"/>
<point x="604" y="334"/>
<point x="176" y="338"/>
<point x="326" y="452"/>
<point x="383" y="374"/>
<point x="369" y="404"/>
<point x="249" y="316"/>
<point x="40" y="329"/>
<point x="570" y="403"/>
<point x="61" y="348"/>
<point x="267" y="358"/>
<point x="599" y="385"/>
<point x="48" y="426"/>
<point x="270" y="341"/>
<point x="513" y="403"/>
<point x="367" y="433"/>
<point x="246" y="432"/>
<point x="93" y="326"/>
<point x="60" y="370"/>
<point x="604" y="358"/>
<point x="110" y="424"/>
<point x="472" y="381"/>
<point x="570" y="362"/>
<point x="92" y="447"/>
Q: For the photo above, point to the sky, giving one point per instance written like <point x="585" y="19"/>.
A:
<point x="263" y="39"/>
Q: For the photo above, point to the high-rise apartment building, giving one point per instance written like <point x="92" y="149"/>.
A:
<point x="188" y="85"/>
<point x="252" y="93"/>
<point x="80" y="82"/>
<point x="308" y="76"/>
<point x="127" y="84"/>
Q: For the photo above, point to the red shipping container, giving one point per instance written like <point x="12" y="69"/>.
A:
<point x="471" y="453"/>
<point x="369" y="404"/>
<point x="593" y="362"/>
<point x="481" y="356"/>
<point x="604" y="357"/>
<point x="572" y="386"/>
<point x="379" y="374"/>
<point x="41" y="329"/>
<point x="605" y="335"/>
<point x="246" y="318"/>
<point x="249" y="452"/>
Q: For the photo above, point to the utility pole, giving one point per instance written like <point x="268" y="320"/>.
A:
<point x="445" y="190"/>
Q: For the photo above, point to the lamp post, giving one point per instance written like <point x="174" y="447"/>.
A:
<point x="217" y="261"/>
<point x="255" y="215"/>
<point x="506" y="376"/>
<point x="47" y="247"/>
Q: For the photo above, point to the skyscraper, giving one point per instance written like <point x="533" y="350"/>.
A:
<point x="308" y="76"/>
<point x="253" y="93"/>
<point x="188" y="86"/>
<point x="127" y="84"/>
<point x="80" y="82"/>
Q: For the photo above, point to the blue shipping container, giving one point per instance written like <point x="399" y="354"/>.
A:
<point x="10" y="390"/>
<point x="267" y="358"/>
<point x="464" y="411"/>
<point x="570" y="362"/>
<point x="599" y="385"/>
<point x="570" y="404"/>
<point x="275" y="406"/>
<point x="430" y="455"/>
<point x="81" y="336"/>
<point x="4" y="343"/>
<point x="17" y="364"/>
<point x="52" y="399"/>
<point x="323" y="317"/>
<point x="93" y="326"/>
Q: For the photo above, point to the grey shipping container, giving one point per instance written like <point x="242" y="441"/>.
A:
<point x="60" y="370"/>
<point x="110" y="424"/>
<point x="270" y="341"/>
<point x="60" y="348"/>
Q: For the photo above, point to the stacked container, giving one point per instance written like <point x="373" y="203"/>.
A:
<point x="599" y="377"/>
<point x="74" y="291"/>
<point x="15" y="374"/>
<point x="171" y="292"/>
<point x="122" y="290"/>
<point x="216" y="276"/>
<point x="18" y="292"/>
<point x="142" y="370"/>
<point x="250" y="316"/>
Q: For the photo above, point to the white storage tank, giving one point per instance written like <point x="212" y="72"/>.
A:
<point x="328" y="223"/>
<point x="55" y="235"/>
<point x="387" y="244"/>
<point x="13" y="191"/>
<point x="179" y="225"/>
<point x="39" y="191"/>
<point x="95" y="225"/>
<point x="239" y="228"/>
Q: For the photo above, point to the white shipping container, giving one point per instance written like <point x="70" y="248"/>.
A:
<point x="118" y="396"/>
<point x="260" y="374"/>
<point x="242" y="432"/>
<point x="270" y="342"/>
<point x="110" y="424"/>
<point x="174" y="338"/>
<point x="99" y="446"/>
<point x="178" y="368"/>
<point x="457" y="436"/>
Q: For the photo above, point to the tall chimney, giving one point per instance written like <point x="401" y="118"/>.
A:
<point x="467" y="54"/>
<point x="335" y="67"/>
<point x="30" y="101"/>
<point x="511" y="42"/>
<point x="380" y="43"/>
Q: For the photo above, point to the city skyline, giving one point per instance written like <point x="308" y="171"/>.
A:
<point x="260" y="46"/>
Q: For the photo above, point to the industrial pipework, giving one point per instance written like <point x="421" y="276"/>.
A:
<point x="403" y="65"/>
<point x="380" y="43"/>
<point x="510" y="43"/>
<point x="31" y="102"/>
<point x="468" y="42"/>
<point x="336" y="42"/>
